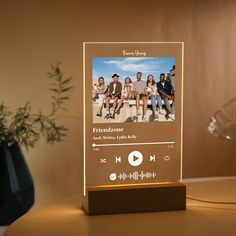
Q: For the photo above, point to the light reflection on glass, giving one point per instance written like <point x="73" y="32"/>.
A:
<point x="223" y="122"/>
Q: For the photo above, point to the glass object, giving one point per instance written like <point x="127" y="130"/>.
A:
<point x="223" y="122"/>
<point x="16" y="184"/>
<point x="125" y="143"/>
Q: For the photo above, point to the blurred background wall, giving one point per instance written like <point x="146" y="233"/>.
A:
<point x="35" y="33"/>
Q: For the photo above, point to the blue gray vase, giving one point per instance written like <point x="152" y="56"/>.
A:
<point x="16" y="184"/>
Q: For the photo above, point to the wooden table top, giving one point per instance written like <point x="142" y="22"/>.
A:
<point x="66" y="218"/>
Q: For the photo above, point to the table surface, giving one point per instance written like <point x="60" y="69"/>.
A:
<point x="65" y="217"/>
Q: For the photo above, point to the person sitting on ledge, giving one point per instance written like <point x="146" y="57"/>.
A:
<point x="101" y="89"/>
<point x="166" y="90"/>
<point x="153" y="95"/>
<point x="114" y="93"/>
<point x="140" y="92"/>
<point x="127" y="93"/>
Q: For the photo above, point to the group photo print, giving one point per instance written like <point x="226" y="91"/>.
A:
<point x="133" y="89"/>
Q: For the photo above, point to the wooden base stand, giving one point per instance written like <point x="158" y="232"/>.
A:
<point x="112" y="199"/>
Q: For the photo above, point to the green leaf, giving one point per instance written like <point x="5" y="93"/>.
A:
<point x="66" y="81"/>
<point x="54" y="90"/>
<point x="64" y="98"/>
<point x="66" y="89"/>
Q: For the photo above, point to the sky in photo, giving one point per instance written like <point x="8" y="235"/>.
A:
<point x="129" y="66"/>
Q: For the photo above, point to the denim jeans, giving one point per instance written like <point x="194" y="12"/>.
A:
<point x="167" y="103"/>
<point x="155" y="98"/>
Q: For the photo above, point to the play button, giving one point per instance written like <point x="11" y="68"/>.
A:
<point x="135" y="158"/>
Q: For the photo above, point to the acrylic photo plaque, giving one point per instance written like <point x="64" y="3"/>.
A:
<point x="133" y="113"/>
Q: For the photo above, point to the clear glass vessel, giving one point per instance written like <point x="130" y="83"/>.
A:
<point x="223" y="122"/>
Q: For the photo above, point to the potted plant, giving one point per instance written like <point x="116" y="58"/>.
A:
<point x="23" y="127"/>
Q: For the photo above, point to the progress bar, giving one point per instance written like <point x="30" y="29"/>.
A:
<point x="129" y="144"/>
